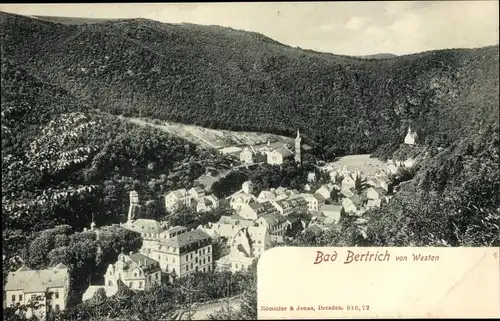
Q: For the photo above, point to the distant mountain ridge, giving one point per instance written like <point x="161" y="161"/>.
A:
<point x="379" y="56"/>
<point x="223" y="78"/>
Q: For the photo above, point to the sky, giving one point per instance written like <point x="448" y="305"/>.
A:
<point x="348" y="28"/>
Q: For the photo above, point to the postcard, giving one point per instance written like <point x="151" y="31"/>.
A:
<point x="245" y="161"/>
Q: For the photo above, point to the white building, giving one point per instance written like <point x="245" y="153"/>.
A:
<point x="49" y="287"/>
<point x="411" y="137"/>
<point x="176" y="198"/>
<point x="246" y="246"/>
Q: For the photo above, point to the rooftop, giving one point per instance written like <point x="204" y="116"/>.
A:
<point x="31" y="281"/>
<point x="186" y="239"/>
<point x="142" y="260"/>
<point x="145" y="226"/>
<point x="274" y="219"/>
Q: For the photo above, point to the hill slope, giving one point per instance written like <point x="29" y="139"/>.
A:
<point x="224" y="78"/>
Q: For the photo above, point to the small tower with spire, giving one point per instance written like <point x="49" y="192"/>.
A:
<point x="298" y="156"/>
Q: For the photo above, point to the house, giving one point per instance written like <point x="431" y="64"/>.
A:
<point x="283" y="207"/>
<point x="375" y="193"/>
<point x="176" y="198"/>
<point x="137" y="271"/>
<point x="276" y="224"/>
<point x="352" y="205"/>
<point x="411" y="137"/>
<point x="227" y="225"/>
<point x="243" y="196"/>
<point x="294" y="222"/>
<point x="326" y="191"/>
<point x="382" y="181"/>
<point x="185" y="254"/>
<point x="253" y="211"/>
<point x="49" y="287"/>
<point x="281" y="191"/>
<point x="351" y="181"/>
<point x="150" y="231"/>
<point x="197" y="193"/>
<point x="266" y="196"/>
<point x="279" y="155"/>
<point x="246" y="246"/>
<point x="333" y="213"/>
<point x="298" y="204"/>
<point x="207" y="203"/>
<point x="314" y="201"/>
<point x="247" y="155"/>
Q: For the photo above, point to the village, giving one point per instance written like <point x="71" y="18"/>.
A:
<point x="259" y="221"/>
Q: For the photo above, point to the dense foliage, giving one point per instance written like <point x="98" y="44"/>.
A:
<point x="63" y="163"/>
<point x="224" y="78"/>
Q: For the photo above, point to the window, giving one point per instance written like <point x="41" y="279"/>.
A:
<point x="209" y="259"/>
<point x="150" y="278"/>
<point x="135" y="274"/>
<point x="13" y="298"/>
<point x="157" y="274"/>
<point x="57" y="294"/>
<point x="130" y="284"/>
<point x="110" y="283"/>
<point x="57" y="307"/>
<point x="140" y="284"/>
<point x="208" y="250"/>
<point x="20" y="297"/>
<point x="191" y="266"/>
<point x="236" y="265"/>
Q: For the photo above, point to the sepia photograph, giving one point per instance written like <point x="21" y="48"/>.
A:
<point x="152" y="153"/>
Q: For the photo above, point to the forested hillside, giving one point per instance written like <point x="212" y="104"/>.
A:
<point x="63" y="163"/>
<point x="223" y="78"/>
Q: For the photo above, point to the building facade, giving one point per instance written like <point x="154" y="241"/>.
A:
<point x="49" y="287"/>
<point x="185" y="253"/>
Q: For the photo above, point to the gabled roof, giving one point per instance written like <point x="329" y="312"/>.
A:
<point x="283" y="151"/>
<point x="23" y="268"/>
<point x="31" y="281"/>
<point x="60" y="266"/>
<point x="273" y="219"/>
<point x="186" y="239"/>
<point x="175" y="229"/>
<point x="235" y="220"/>
<point x="267" y="194"/>
<point x="142" y="260"/>
<point x="197" y="189"/>
<point x="145" y="226"/>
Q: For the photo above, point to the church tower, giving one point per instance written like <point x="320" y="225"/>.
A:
<point x="298" y="157"/>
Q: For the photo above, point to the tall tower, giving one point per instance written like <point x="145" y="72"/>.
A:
<point x="134" y="206"/>
<point x="298" y="157"/>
